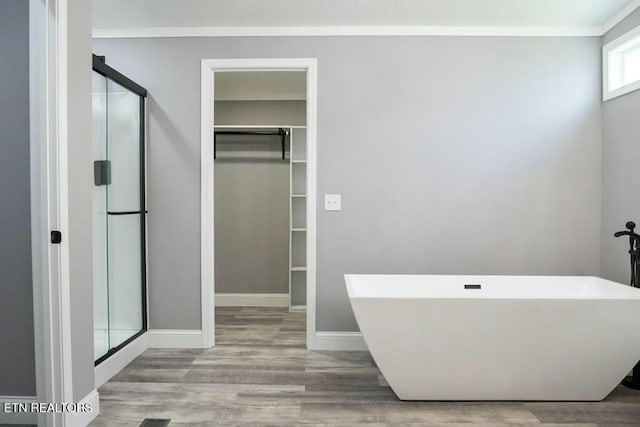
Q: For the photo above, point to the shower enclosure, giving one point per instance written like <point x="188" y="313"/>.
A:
<point x="119" y="214"/>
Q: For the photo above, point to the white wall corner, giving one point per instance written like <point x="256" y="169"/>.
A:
<point x="116" y="362"/>
<point x="251" y="300"/>
<point x="175" y="338"/>
<point x="344" y="341"/>
<point x="82" y="419"/>
<point x="14" y="417"/>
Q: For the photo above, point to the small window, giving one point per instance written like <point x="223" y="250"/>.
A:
<point x="621" y="65"/>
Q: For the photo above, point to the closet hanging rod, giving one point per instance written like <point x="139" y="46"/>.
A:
<point x="280" y="132"/>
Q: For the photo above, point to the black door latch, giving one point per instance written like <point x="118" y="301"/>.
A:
<point x="56" y="237"/>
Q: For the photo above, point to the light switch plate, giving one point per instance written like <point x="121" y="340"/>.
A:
<point x="332" y="202"/>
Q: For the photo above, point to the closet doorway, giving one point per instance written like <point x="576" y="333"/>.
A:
<point x="258" y="250"/>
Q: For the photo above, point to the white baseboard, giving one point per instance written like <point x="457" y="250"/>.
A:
<point x="114" y="364"/>
<point x="82" y="419"/>
<point x="175" y="338"/>
<point x="346" y="341"/>
<point x="251" y="300"/>
<point x="17" y="417"/>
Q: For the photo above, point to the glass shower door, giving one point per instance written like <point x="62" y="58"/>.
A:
<point x="124" y="213"/>
<point x="119" y="212"/>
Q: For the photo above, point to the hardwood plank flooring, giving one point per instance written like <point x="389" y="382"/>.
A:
<point x="260" y="374"/>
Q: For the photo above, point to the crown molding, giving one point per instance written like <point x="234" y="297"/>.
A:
<point x="398" y="30"/>
<point x="381" y="30"/>
<point x="618" y="17"/>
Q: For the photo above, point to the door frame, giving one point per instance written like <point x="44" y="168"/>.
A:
<point x="207" y="237"/>
<point x="48" y="20"/>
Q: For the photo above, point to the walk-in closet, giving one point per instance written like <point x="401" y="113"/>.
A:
<point x="260" y="189"/>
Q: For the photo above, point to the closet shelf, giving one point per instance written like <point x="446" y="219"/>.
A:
<point x="257" y="126"/>
<point x="299" y="268"/>
<point x="281" y="132"/>
<point x="298" y="161"/>
<point x="298" y="229"/>
<point x="298" y="195"/>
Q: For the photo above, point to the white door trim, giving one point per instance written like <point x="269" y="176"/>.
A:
<point x="49" y="184"/>
<point x="208" y="67"/>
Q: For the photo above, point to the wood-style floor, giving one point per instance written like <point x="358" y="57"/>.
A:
<point x="260" y="374"/>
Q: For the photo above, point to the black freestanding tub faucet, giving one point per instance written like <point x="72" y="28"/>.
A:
<point x="634" y="252"/>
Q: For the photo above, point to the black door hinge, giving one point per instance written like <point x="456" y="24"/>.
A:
<point x="56" y="237"/>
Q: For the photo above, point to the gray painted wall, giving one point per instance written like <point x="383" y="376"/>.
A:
<point x="80" y="161"/>
<point x="17" y="357"/>
<point x="252" y="200"/>
<point x="620" y="159"/>
<point x="457" y="155"/>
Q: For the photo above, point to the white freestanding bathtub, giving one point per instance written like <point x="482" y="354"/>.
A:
<point x="498" y="337"/>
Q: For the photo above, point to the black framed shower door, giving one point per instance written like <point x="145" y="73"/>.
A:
<point x="119" y="210"/>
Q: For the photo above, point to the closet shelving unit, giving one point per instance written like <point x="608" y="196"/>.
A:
<point x="297" y="156"/>
<point x="298" y="218"/>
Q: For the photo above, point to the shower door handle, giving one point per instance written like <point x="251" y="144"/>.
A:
<point x="127" y="212"/>
<point x="101" y="172"/>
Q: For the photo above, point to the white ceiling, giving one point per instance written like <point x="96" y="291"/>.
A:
<point x="135" y="14"/>
<point x="260" y="85"/>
